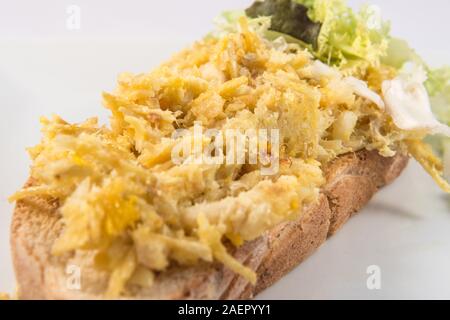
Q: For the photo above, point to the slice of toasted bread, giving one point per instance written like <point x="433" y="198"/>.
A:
<point x="352" y="180"/>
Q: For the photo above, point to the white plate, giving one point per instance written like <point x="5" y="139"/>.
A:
<point x="404" y="231"/>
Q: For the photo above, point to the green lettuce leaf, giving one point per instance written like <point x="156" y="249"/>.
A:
<point x="338" y="35"/>
<point x="287" y="17"/>
<point x="227" y="22"/>
<point x="439" y="82"/>
<point x="438" y="87"/>
<point x="349" y="39"/>
<point x="399" y="52"/>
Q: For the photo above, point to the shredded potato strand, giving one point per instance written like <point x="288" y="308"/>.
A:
<point x="431" y="163"/>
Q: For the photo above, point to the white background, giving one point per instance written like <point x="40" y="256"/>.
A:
<point x="46" y="68"/>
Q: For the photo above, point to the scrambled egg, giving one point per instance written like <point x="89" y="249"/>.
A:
<point x="122" y="196"/>
<point x="4" y="296"/>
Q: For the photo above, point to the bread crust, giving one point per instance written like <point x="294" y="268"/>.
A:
<point x="352" y="180"/>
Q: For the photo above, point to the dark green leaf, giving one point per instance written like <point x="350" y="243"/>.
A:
<point x="288" y="17"/>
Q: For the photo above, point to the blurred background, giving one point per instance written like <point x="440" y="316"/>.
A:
<point x="57" y="56"/>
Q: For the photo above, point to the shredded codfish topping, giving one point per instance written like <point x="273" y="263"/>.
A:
<point x="123" y="198"/>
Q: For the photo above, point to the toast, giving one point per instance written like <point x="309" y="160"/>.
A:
<point x="352" y="180"/>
